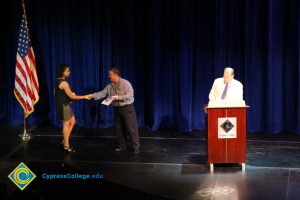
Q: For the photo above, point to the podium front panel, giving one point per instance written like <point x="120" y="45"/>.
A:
<point x="226" y="150"/>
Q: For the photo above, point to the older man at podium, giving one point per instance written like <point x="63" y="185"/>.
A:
<point x="226" y="88"/>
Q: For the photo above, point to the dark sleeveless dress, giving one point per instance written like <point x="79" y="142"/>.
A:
<point x="62" y="101"/>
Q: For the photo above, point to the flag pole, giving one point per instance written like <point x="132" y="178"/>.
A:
<point x="24" y="11"/>
<point x="25" y="135"/>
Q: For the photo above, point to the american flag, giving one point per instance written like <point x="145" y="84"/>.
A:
<point x="26" y="81"/>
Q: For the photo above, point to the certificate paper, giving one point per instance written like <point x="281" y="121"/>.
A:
<point x="107" y="101"/>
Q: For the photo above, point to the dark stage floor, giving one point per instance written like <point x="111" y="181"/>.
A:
<point x="171" y="165"/>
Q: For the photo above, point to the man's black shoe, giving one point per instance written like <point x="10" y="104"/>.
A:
<point x="120" y="149"/>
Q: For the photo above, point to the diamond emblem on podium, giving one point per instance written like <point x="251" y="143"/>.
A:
<point x="227" y="126"/>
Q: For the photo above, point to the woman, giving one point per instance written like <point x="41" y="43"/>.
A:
<point x="63" y="97"/>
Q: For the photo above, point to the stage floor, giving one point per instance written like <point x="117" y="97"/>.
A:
<point x="171" y="165"/>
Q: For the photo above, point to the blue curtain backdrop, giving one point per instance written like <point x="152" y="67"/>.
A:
<point x="170" y="50"/>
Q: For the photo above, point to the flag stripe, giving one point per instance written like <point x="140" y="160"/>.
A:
<point x="20" y="84"/>
<point x="20" y="79"/>
<point x="32" y="67"/>
<point x="27" y="102"/>
<point x="23" y="98"/>
<point x="21" y="94"/>
<point x="20" y="99"/>
<point x="28" y="81"/>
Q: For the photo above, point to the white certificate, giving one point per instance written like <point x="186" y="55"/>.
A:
<point x="107" y="101"/>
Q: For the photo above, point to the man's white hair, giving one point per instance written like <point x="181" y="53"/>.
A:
<point x="229" y="69"/>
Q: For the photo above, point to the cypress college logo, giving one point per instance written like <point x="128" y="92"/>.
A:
<point x="227" y="127"/>
<point x="22" y="176"/>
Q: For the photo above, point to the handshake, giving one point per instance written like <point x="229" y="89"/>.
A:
<point x="89" y="96"/>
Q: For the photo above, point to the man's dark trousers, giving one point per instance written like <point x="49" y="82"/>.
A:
<point x="125" y="122"/>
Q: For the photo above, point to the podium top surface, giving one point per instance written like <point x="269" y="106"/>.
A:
<point x="227" y="104"/>
<point x="206" y="107"/>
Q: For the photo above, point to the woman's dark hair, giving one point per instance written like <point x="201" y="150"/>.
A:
<point x="60" y="68"/>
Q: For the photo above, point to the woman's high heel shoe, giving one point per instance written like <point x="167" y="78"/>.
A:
<point x="69" y="149"/>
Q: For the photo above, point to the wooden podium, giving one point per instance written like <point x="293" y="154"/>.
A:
<point x="226" y="135"/>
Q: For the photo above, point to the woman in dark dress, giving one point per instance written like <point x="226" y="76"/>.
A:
<point x="63" y="97"/>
